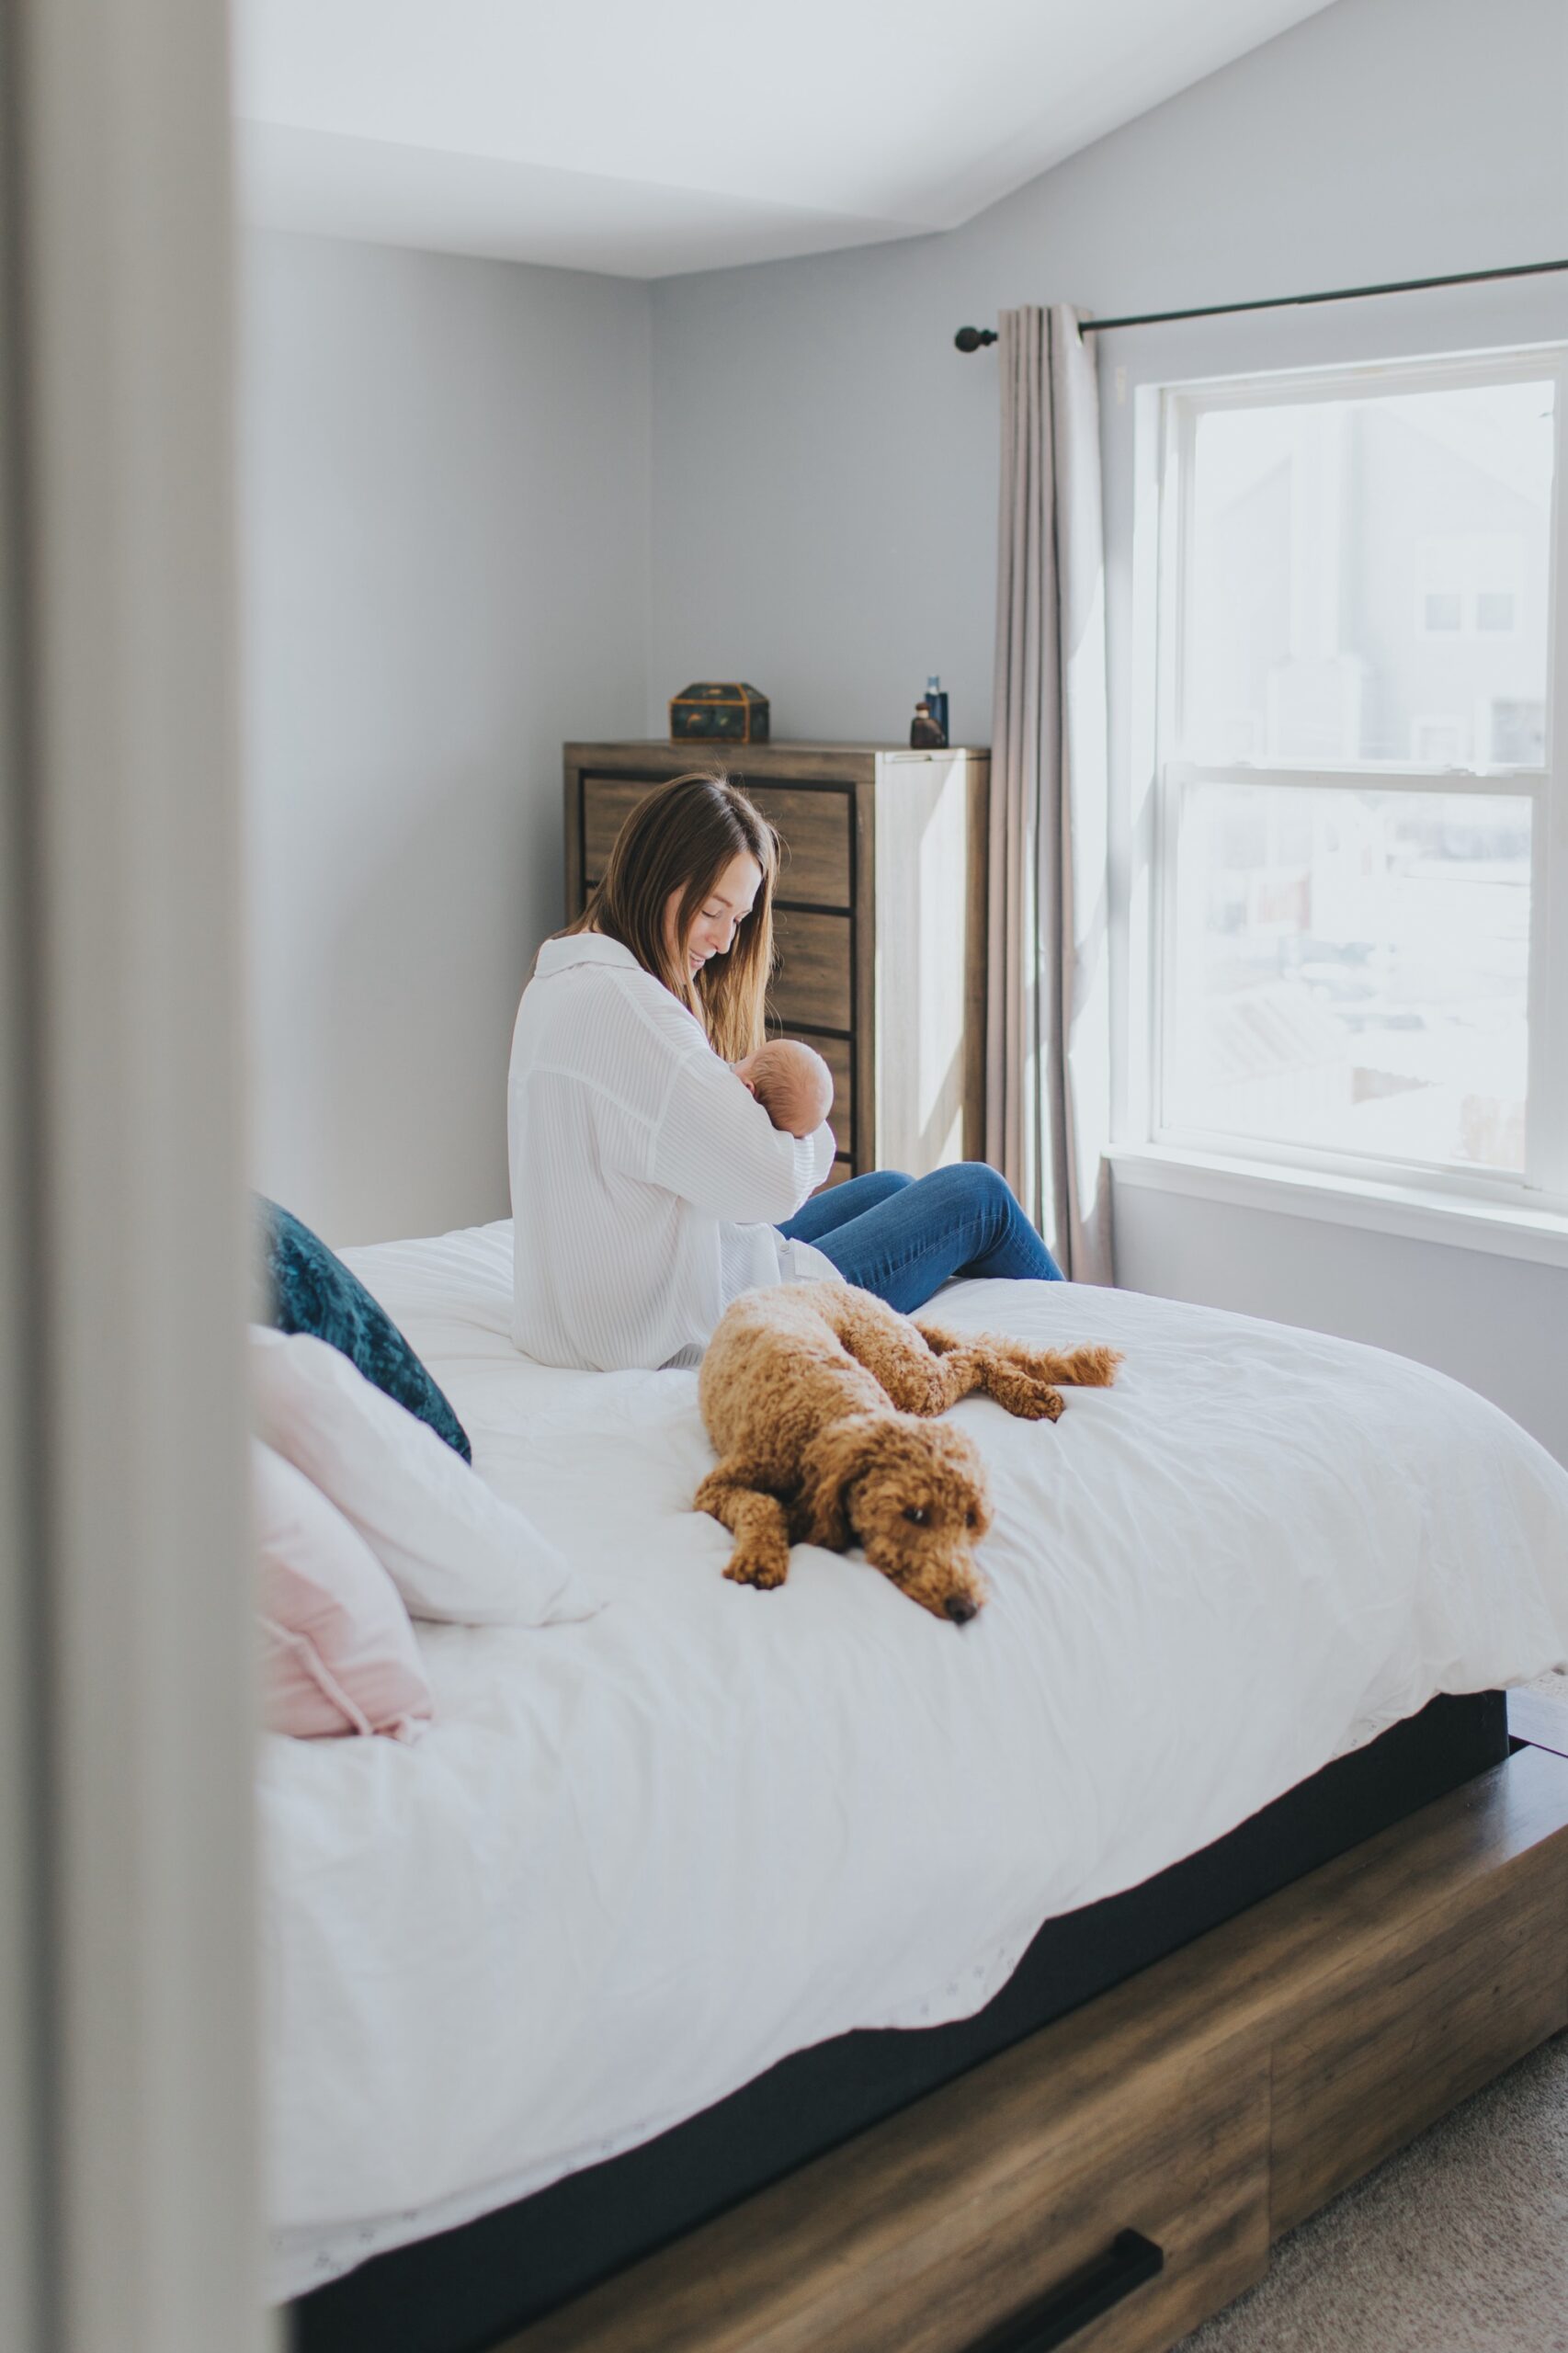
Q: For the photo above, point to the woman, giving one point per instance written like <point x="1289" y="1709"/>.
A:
<point x="649" y="1186"/>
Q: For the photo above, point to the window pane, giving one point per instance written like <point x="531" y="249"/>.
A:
<point x="1350" y="972"/>
<point x="1370" y="577"/>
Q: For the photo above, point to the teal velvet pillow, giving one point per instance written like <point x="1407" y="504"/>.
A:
<point x="309" y="1289"/>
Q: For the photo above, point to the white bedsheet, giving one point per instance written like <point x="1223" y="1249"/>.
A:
<point x="637" y="1861"/>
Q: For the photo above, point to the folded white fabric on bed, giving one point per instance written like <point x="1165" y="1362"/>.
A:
<point x="451" y="1546"/>
<point x="635" y="1862"/>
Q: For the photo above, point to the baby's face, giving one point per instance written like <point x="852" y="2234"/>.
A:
<point x="793" y="1084"/>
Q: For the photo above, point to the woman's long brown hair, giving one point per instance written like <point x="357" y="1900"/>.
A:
<point x="681" y="837"/>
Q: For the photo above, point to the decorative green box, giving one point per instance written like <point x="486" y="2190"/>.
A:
<point x="709" y="714"/>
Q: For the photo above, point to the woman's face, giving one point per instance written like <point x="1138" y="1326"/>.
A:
<point x="713" y="928"/>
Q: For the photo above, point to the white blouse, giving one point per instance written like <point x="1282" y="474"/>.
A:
<point x="646" y="1179"/>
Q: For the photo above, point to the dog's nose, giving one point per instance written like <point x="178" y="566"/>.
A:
<point x="958" y="1608"/>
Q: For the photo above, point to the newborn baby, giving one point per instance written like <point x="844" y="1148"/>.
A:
<point x="793" y="1084"/>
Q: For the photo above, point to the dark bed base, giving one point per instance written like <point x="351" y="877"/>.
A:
<point x="466" y="2290"/>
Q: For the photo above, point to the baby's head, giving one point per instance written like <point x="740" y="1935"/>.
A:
<point x="793" y="1084"/>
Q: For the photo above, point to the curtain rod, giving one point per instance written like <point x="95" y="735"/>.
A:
<point x="972" y="338"/>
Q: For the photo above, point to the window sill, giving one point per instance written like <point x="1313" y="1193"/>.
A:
<point x="1420" y="1216"/>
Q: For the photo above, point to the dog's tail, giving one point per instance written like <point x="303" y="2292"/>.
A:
<point x="1090" y="1367"/>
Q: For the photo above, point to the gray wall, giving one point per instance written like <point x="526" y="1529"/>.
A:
<point x="824" y="484"/>
<point x="445" y="486"/>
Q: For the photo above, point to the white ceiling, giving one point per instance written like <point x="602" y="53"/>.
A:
<point x="645" y="137"/>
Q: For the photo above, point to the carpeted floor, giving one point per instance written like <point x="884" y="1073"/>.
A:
<point x="1458" y="2244"/>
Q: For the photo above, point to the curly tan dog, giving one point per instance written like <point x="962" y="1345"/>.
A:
<point x="816" y="1396"/>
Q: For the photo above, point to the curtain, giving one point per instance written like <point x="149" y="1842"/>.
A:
<point x="1048" y="1011"/>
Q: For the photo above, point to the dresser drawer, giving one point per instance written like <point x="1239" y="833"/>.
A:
<point x="988" y="2215"/>
<point x="1182" y="2169"/>
<point x="812" y="987"/>
<point x="608" y="802"/>
<point x="813" y="828"/>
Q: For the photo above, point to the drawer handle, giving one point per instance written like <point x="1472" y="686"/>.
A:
<point x="1053" y="2319"/>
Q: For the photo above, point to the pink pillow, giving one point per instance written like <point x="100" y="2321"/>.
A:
<point x="338" y="1652"/>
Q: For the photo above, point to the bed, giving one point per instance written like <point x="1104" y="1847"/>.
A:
<point x="646" y="1865"/>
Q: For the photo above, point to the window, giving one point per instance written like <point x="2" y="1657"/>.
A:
<point x="1356" y="809"/>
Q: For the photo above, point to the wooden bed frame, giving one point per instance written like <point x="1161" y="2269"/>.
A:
<point x="1120" y="2176"/>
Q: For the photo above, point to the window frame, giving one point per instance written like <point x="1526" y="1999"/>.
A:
<point x="1543" y="1182"/>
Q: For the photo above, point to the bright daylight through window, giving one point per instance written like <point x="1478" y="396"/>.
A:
<point x="1356" y="967"/>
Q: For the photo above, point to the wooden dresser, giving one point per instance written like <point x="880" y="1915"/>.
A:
<point x="880" y="921"/>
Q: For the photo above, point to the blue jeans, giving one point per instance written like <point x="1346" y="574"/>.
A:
<point x="904" y="1237"/>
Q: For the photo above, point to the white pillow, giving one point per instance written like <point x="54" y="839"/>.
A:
<point x="453" y="1549"/>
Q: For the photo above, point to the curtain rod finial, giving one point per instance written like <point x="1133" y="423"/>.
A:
<point x="970" y="338"/>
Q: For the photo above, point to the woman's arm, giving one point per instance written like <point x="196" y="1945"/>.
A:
<point x="716" y="1148"/>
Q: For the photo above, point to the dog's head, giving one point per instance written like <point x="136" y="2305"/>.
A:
<point x="914" y="1494"/>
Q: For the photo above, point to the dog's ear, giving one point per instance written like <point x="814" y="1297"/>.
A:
<point x="837" y="1457"/>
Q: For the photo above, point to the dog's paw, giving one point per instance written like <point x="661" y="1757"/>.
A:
<point x="1094" y="1368"/>
<point x="1040" y="1403"/>
<point x="763" y="1570"/>
<point x="1025" y="1394"/>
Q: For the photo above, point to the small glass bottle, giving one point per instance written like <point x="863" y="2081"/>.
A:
<point x="924" y="735"/>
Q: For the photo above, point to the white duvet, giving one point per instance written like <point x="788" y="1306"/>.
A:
<point x="639" y="1860"/>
